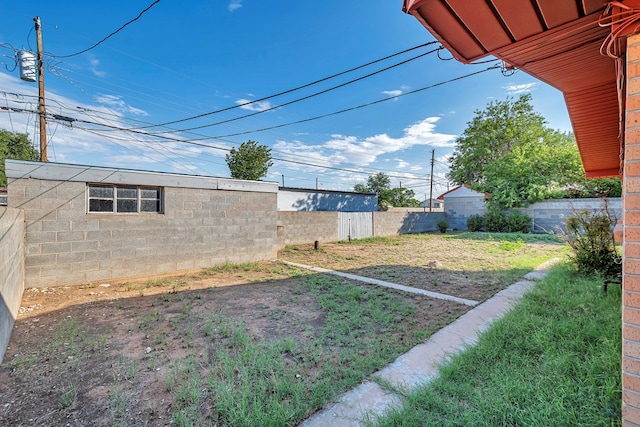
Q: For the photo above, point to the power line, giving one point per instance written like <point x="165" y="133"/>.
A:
<point x="147" y="143"/>
<point x="298" y="87"/>
<point x="194" y="141"/>
<point x="311" y="95"/>
<point x="312" y="118"/>
<point x="204" y="137"/>
<point x="163" y="101"/>
<point x="358" y="106"/>
<point x="110" y="35"/>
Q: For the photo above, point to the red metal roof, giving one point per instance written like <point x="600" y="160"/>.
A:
<point x="556" y="41"/>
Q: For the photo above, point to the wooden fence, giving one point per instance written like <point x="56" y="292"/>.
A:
<point x="355" y="225"/>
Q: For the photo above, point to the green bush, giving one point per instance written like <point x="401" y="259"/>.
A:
<point x="495" y="221"/>
<point x="590" y="235"/>
<point x="443" y="224"/>
<point x="518" y="222"/>
<point x="475" y="223"/>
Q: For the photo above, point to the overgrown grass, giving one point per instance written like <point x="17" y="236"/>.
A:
<point x="553" y="360"/>
<point x="508" y="237"/>
<point x="377" y="240"/>
<point x="249" y="381"/>
<point x="234" y="267"/>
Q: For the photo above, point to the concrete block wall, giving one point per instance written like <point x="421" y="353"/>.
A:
<point x="548" y="215"/>
<point x="551" y="215"/>
<point x="12" y="251"/>
<point x="393" y="223"/>
<point x="458" y="209"/>
<point x="199" y="227"/>
<point x="295" y="228"/>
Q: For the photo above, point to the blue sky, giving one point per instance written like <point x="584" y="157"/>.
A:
<point x="183" y="59"/>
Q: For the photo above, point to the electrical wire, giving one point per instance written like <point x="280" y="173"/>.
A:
<point x="276" y="159"/>
<point x="191" y="142"/>
<point x="313" y="95"/>
<point x="358" y="106"/>
<point x="120" y="116"/>
<point x="145" y="90"/>
<point x="620" y="23"/>
<point x="285" y="160"/>
<point x="306" y="85"/>
<point x="6" y="100"/>
<point x="194" y="141"/>
<point x="110" y="35"/>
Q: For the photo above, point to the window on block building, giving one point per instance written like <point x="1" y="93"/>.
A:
<point x="124" y="198"/>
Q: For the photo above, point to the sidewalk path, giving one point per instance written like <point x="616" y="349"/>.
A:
<point x="377" y="282"/>
<point x="420" y="364"/>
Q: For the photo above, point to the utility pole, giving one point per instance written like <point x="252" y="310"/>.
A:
<point x="283" y="180"/>
<point x="316" y="183"/>
<point x="41" y="107"/>
<point x="433" y="154"/>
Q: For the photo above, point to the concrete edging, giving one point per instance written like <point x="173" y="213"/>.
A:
<point x="420" y="365"/>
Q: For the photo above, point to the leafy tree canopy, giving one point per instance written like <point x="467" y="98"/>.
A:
<point x="508" y="151"/>
<point x="14" y="146"/>
<point x="249" y="161"/>
<point x="380" y="184"/>
<point x="375" y="184"/>
<point x="399" y="198"/>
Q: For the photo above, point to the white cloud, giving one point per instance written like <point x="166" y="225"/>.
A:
<point x="92" y="144"/>
<point x="247" y="104"/>
<point x="392" y="93"/>
<point x="396" y="92"/>
<point x="116" y="102"/>
<point x="364" y="151"/>
<point x="514" y="89"/>
<point x="401" y="163"/>
<point x="235" y="4"/>
<point x="93" y="66"/>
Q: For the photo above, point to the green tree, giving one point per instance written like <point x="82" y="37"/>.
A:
<point x="380" y="184"/>
<point x="508" y="151"/>
<point x="375" y="184"/>
<point x="249" y="161"/>
<point x="599" y="187"/>
<point x="399" y="198"/>
<point x="14" y="146"/>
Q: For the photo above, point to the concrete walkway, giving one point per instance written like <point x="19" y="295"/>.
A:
<point x="377" y="282"/>
<point x="420" y="364"/>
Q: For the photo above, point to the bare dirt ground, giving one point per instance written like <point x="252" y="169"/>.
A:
<point x="100" y="354"/>
<point x="469" y="269"/>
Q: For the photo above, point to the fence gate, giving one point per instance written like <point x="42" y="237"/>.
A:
<point x="355" y="225"/>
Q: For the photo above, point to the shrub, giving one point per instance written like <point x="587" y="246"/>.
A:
<point x="518" y="222"/>
<point x="443" y="224"/>
<point x="495" y="221"/>
<point x="475" y="223"/>
<point x="590" y="235"/>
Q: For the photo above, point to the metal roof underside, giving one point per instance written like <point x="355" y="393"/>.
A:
<point x="556" y="41"/>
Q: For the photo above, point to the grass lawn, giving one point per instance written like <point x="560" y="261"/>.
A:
<point x="552" y="361"/>
<point x="242" y="345"/>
